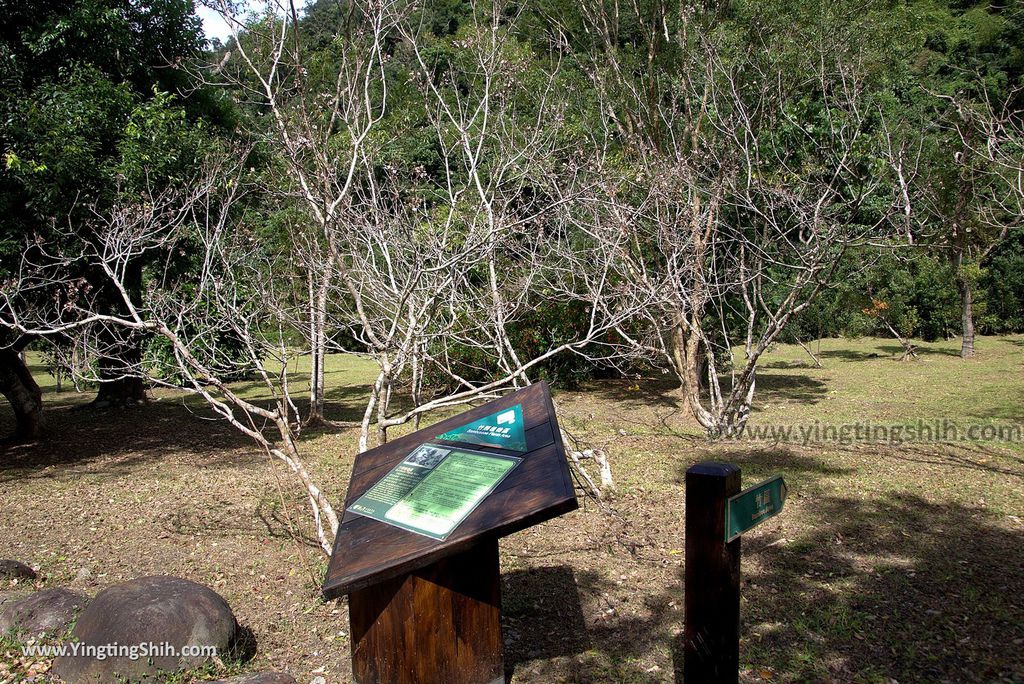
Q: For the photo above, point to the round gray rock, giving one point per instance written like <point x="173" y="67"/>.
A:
<point x="259" y="678"/>
<point x="160" y="618"/>
<point x="50" y="610"/>
<point x="12" y="569"/>
<point x="12" y="596"/>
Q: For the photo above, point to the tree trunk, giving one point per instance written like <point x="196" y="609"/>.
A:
<point x="961" y="253"/>
<point x="120" y="356"/>
<point x="321" y="343"/>
<point x="120" y="384"/>
<point x="21" y="390"/>
<point x="383" y="404"/>
<point x="686" y="358"/>
<point x="122" y="391"/>
<point x="966" y="317"/>
<point x="371" y="403"/>
<point x="417" y="386"/>
<point x="314" y="348"/>
<point x="318" y="294"/>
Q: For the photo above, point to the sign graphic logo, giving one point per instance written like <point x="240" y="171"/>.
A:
<point x="503" y="430"/>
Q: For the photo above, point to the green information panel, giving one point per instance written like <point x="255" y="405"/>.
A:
<point x="434" y="489"/>
<point x="503" y="429"/>
<point x="754" y="505"/>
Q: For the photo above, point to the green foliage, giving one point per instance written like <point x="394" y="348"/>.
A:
<point x="89" y="103"/>
<point x="94" y="109"/>
<point x="224" y="354"/>
<point x="548" y="324"/>
<point x="159" y="142"/>
<point x="544" y="325"/>
<point x="1002" y="284"/>
<point x="908" y="52"/>
<point x="918" y="290"/>
<point x="90" y="111"/>
<point x="87" y="111"/>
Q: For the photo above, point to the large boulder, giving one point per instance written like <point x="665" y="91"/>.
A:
<point x="166" y="620"/>
<point x="13" y="570"/>
<point x="50" y="610"/>
<point x="259" y="678"/>
<point x="7" y="597"/>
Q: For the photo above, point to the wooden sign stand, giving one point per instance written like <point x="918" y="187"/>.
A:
<point x="460" y="642"/>
<point x="423" y="610"/>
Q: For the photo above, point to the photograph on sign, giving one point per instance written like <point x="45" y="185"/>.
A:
<point x="434" y="489"/>
<point x="502" y="429"/>
<point x="426" y="456"/>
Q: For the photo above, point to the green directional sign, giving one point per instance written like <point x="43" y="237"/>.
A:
<point x="503" y="429"/>
<point x="754" y="505"/>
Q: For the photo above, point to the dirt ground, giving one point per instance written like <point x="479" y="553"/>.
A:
<point x="891" y="562"/>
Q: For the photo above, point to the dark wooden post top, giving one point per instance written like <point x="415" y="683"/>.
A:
<point x="367" y="552"/>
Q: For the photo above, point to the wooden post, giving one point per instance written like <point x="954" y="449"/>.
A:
<point x="711" y="650"/>
<point x="441" y="623"/>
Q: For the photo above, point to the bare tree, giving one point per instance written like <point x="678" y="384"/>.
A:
<point x="967" y="195"/>
<point x="528" y="203"/>
<point x="396" y="267"/>
<point x="1002" y="131"/>
<point x="229" y="298"/>
<point x="319" y="120"/>
<point x="738" y="210"/>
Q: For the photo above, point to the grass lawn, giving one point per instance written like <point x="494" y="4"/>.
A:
<point x="894" y="560"/>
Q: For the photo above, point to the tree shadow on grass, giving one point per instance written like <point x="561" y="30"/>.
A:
<point x="885" y="351"/>
<point x="541" y="616"/>
<point x="231" y="519"/>
<point x="344" y="404"/>
<point x="861" y="590"/>
<point x="665" y="392"/>
<point x="891" y="587"/>
<point x="1011" y="409"/>
<point x="974" y="456"/>
<point x="114" y="442"/>
<point x="785" y="387"/>
<point x="896" y="350"/>
<point x="660" y="391"/>
<point x="608" y="649"/>
<point x="758" y="460"/>
<point x="850" y="355"/>
<point x="788" y="365"/>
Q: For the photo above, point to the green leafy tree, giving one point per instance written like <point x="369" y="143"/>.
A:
<point x="87" y="114"/>
<point x="971" y="57"/>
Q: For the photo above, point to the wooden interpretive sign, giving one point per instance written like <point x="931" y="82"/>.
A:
<point x="417" y="549"/>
